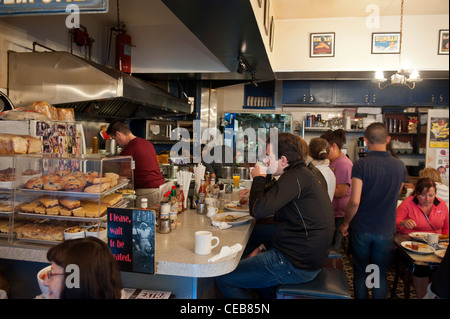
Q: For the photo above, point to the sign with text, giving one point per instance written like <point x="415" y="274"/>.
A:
<point x="47" y="7"/>
<point x="131" y="238"/>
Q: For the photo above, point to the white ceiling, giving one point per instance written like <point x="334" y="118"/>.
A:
<point x="314" y="9"/>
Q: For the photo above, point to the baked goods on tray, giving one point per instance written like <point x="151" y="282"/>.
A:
<point x="45" y="230"/>
<point x="90" y="182"/>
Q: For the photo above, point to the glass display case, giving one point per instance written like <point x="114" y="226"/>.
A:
<point x="6" y="195"/>
<point x="67" y="196"/>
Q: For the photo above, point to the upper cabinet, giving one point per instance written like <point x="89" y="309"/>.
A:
<point x="301" y="92"/>
<point x="363" y="92"/>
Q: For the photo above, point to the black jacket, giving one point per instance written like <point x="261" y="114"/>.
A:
<point x="301" y="206"/>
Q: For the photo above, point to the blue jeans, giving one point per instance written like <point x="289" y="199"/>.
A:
<point x="369" y="249"/>
<point x="267" y="269"/>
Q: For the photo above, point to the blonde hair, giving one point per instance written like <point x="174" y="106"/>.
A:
<point x="431" y="173"/>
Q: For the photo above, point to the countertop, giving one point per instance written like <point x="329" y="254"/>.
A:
<point x="174" y="251"/>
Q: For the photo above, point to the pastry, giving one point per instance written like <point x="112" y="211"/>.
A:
<point x="93" y="173"/>
<point x="93" y="210"/>
<point x="79" y="212"/>
<point x="53" y="210"/>
<point x="112" y="199"/>
<point x="65" y="212"/>
<point x="112" y="175"/>
<point x="69" y="203"/>
<point x="102" y="180"/>
<point x="97" y="188"/>
<point x="49" y="231"/>
<point x="35" y="183"/>
<point x="39" y="209"/>
<point x="53" y="186"/>
<point x="48" y="201"/>
<point x="29" y="208"/>
<point x="75" y="185"/>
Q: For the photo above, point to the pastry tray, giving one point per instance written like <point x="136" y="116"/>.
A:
<point x="121" y="204"/>
<point x="122" y="183"/>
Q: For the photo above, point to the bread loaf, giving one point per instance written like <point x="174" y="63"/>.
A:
<point x="66" y="114"/>
<point x="47" y="109"/>
<point x="19" y="144"/>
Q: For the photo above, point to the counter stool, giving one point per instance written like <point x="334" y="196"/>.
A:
<point x="334" y="260"/>
<point x="330" y="283"/>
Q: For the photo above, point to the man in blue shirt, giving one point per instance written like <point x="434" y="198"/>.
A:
<point x="371" y="212"/>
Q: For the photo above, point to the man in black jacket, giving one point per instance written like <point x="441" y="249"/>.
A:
<point x="305" y="224"/>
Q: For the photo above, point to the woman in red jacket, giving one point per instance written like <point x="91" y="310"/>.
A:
<point x="422" y="212"/>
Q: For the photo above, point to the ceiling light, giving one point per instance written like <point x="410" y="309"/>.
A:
<point x="405" y="76"/>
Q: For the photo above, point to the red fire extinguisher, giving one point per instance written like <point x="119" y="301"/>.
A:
<point x="123" y="52"/>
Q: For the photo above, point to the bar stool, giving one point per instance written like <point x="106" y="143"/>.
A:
<point x="334" y="260"/>
<point x="330" y="283"/>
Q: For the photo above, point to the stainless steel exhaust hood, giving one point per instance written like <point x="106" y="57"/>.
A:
<point x="93" y="90"/>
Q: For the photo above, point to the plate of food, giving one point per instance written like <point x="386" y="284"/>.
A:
<point x="232" y="218"/>
<point x="443" y="245"/>
<point x="417" y="247"/>
<point x="419" y="236"/>
<point x="237" y="207"/>
<point x="440" y="253"/>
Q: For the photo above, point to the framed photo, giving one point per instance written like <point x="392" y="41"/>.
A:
<point x="443" y="42"/>
<point x="266" y="15"/>
<point x="272" y="33"/>
<point x="386" y="43"/>
<point x="322" y="45"/>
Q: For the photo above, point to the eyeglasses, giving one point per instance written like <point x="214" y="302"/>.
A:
<point x="50" y="274"/>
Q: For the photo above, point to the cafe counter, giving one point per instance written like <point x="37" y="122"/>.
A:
<point x="178" y="268"/>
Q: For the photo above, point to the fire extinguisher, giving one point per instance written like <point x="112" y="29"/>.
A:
<point x="123" y="52"/>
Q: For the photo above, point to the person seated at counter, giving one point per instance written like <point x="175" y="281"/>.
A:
<point x="423" y="211"/>
<point x="305" y="225"/>
<point x="147" y="175"/>
<point x="99" y="274"/>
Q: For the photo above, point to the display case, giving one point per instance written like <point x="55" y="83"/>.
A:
<point x="68" y="196"/>
<point x="6" y="195"/>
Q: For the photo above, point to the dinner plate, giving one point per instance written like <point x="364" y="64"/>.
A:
<point x="423" y="248"/>
<point x="419" y="236"/>
<point x="443" y="245"/>
<point x="234" y="207"/>
<point x="222" y="218"/>
<point x="440" y="253"/>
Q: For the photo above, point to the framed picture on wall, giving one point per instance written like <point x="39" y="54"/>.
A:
<point x="266" y="15"/>
<point x="322" y="45"/>
<point x="272" y="33"/>
<point x="386" y="43"/>
<point x="443" y="42"/>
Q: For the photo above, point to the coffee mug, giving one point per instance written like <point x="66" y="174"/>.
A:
<point x="212" y="211"/>
<point x="203" y="241"/>
<point x="211" y="202"/>
<point x="433" y="239"/>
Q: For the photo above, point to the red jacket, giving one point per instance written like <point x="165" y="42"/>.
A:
<point x="410" y="209"/>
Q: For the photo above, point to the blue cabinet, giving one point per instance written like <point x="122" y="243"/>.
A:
<point x="390" y="95"/>
<point x="353" y="92"/>
<point x="431" y="92"/>
<point x="300" y="92"/>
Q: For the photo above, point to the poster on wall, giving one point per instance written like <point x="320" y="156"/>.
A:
<point x="439" y="132"/>
<point x="385" y="43"/>
<point x="443" y="42"/>
<point x="442" y="163"/>
<point x="131" y="238"/>
<point x="322" y="44"/>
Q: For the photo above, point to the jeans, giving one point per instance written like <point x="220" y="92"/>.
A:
<point x="369" y="249"/>
<point x="267" y="269"/>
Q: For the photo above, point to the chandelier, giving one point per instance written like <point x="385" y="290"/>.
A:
<point x="405" y="76"/>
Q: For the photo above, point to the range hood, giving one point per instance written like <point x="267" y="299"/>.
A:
<point x="93" y="90"/>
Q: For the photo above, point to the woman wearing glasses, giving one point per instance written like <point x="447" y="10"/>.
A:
<point x="83" y="268"/>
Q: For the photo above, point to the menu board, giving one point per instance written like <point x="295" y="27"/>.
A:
<point x="131" y="238"/>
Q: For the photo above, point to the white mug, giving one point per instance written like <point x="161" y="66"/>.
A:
<point x="210" y="202"/>
<point x="433" y="239"/>
<point x="212" y="211"/>
<point x="203" y="240"/>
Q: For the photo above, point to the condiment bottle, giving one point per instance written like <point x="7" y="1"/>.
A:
<point x="144" y="203"/>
